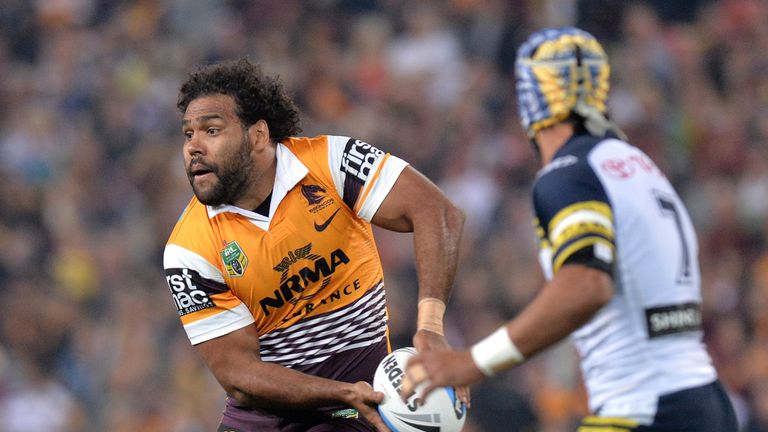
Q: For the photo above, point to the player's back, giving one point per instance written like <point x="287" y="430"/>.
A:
<point x="647" y="341"/>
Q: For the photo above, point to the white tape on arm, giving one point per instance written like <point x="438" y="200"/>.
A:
<point x="496" y="353"/>
<point x="430" y="315"/>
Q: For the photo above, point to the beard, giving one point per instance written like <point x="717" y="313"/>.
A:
<point x="232" y="175"/>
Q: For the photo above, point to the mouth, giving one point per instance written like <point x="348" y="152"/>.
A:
<point x="199" y="176"/>
<point x="198" y="170"/>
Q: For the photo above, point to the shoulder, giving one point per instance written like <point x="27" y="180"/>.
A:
<point x="190" y="220"/>
<point x="193" y="235"/>
<point x="335" y="150"/>
<point x="616" y="161"/>
<point x="306" y="147"/>
<point x="570" y="176"/>
<point x="570" y="181"/>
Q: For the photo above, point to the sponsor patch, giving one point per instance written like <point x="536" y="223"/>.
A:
<point x="190" y="291"/>
<point x="358" y="159"/>
<point x="292" y="286"/>
<point x="235" y="260"/>
<point x="300" y="253"/>
<point x="348" y="413"/>
<point x="627" y="167"/>
<point x="665" y="320"/>
<point x="357" y="162"/>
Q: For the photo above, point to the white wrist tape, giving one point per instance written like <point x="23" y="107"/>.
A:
<point x="496" y="353"/>
<point x="430" y="315"/>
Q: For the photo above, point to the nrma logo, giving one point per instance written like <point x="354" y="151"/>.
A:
<point x="297" y="282"/>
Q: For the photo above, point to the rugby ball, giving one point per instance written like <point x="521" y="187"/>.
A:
<point x="441" y="412"/>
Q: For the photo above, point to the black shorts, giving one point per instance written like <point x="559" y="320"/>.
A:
<point x="340" y="426"/>
<point x="316" y="425"/>
<point x="700" y="409"/>
<point x="348" y="366"/>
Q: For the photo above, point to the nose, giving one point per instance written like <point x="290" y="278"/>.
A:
<point x="194" y="145"/>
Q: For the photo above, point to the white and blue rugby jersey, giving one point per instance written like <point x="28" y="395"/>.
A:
<point x="604" y="203"/>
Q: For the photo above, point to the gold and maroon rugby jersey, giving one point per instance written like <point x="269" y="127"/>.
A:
<point x="308" y="276"/>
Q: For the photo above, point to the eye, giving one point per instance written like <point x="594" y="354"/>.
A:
<point x="188" y="135"/>
<point x="212" y="131"/>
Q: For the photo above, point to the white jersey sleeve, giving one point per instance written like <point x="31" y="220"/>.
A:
<point x="362" y="174"/>
<point x="206" y="306"/>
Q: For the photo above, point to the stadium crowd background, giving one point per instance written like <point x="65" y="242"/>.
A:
<point x="91" y="180"/>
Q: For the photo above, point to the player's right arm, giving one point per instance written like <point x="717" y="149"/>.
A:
<point x="235" y="362"/>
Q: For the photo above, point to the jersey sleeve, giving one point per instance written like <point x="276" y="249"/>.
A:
<point x="574" y="217"/>
<point x="207" y="307"/>
<point x="362" y="174"/>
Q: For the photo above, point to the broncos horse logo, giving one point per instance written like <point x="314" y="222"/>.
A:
<point x="313" y="193"/>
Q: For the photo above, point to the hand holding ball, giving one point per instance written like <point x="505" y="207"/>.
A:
<point x="442" y="409"/>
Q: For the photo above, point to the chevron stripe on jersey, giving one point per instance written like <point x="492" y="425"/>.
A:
<point x="357" y="325"/>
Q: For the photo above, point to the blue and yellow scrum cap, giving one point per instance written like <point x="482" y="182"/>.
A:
<point x="559" y="71"/>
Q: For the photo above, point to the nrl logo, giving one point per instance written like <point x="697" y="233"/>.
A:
<point x="235" y="261"/>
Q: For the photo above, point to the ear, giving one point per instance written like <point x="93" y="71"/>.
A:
<point x="259" y="134"/>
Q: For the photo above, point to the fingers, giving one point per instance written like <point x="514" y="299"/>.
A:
<point x="464" y="395"/>
<point x="377" y="422"/>
<point x="415" y="374"/>
<point x="375" y="419"/>
<point x="425" y="340"/>
<point x="365" y="402"/>
<point x="427" y="390"/>
<point x="378" y="397"/>
<point x="365" y="393"/>
<point x="372" y="416"/>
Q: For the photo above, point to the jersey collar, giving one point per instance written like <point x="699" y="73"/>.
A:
<point x="290" y="170"/>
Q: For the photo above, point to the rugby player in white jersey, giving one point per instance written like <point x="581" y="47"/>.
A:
<point x="619" y="252"/>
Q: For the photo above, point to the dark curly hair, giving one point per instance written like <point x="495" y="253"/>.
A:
<point x="257" y="96"/>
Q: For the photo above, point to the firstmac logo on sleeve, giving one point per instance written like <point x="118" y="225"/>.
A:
<point x="357" y="162"/>
<point x="358" y="159"/>
<point x="191" y="292"/>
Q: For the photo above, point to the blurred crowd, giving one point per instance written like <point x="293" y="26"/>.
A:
<point x="91" y="180"/>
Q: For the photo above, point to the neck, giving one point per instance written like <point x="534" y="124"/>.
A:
<point x="262" y="182"/>
<point x="551" y="139"/>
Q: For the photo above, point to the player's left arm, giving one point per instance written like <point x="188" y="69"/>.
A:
<point x="570" y="300"/>
<point x="576" y="221"/>
<point x="417" y="205"/>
